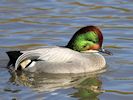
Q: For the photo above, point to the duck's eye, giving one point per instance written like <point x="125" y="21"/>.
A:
<point x="84" y="46"/>
<point x="94" y="41"/>
<point x="89" y="40"/>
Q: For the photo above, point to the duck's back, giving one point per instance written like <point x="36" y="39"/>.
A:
<point x="53" y="54"/>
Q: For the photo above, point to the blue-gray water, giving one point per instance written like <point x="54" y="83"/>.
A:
<point x="26" y="24"/>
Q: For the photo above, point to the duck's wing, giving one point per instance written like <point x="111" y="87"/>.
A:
<point x="50" y="55"/>
<point x="55" y="54"/>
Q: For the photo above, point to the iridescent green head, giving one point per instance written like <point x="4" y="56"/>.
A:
<point x="87" y="38"/>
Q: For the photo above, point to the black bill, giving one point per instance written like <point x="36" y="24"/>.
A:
<point x="105" y="51"/>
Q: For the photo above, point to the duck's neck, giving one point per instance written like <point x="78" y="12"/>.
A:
<point x="72" y="42"/>
<point x="77" y="43"/>
<point x="82" y="42"/>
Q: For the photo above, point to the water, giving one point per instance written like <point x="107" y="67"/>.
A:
<point x="26" y="24"/>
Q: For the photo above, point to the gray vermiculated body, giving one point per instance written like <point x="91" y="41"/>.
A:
<point x="62" y="60"/>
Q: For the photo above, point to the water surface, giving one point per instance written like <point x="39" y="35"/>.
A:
<point x="26" y="24"/>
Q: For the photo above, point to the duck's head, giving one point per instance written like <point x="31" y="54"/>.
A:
<point x="87" y="38"/>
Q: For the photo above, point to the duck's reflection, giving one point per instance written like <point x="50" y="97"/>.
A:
<point x="87" y="86"/>
<point x="89" y="89"/>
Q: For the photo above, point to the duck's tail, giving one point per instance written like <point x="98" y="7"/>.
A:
<point x="13" y="56"/>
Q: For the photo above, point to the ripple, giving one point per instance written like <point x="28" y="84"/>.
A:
<point x="24" y="46"/>
<point x="129" y="39"/>
<point x="112" y="7"/>
<point x="116" y="47"/>
<point x="119" y="92"/>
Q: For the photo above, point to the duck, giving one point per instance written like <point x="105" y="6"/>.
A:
<point x="80" y="55"/>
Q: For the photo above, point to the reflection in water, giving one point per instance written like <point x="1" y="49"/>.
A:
<point x="88" y="89"/>
<point x="39" y="81"/>
<point x="88" y="86"/>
